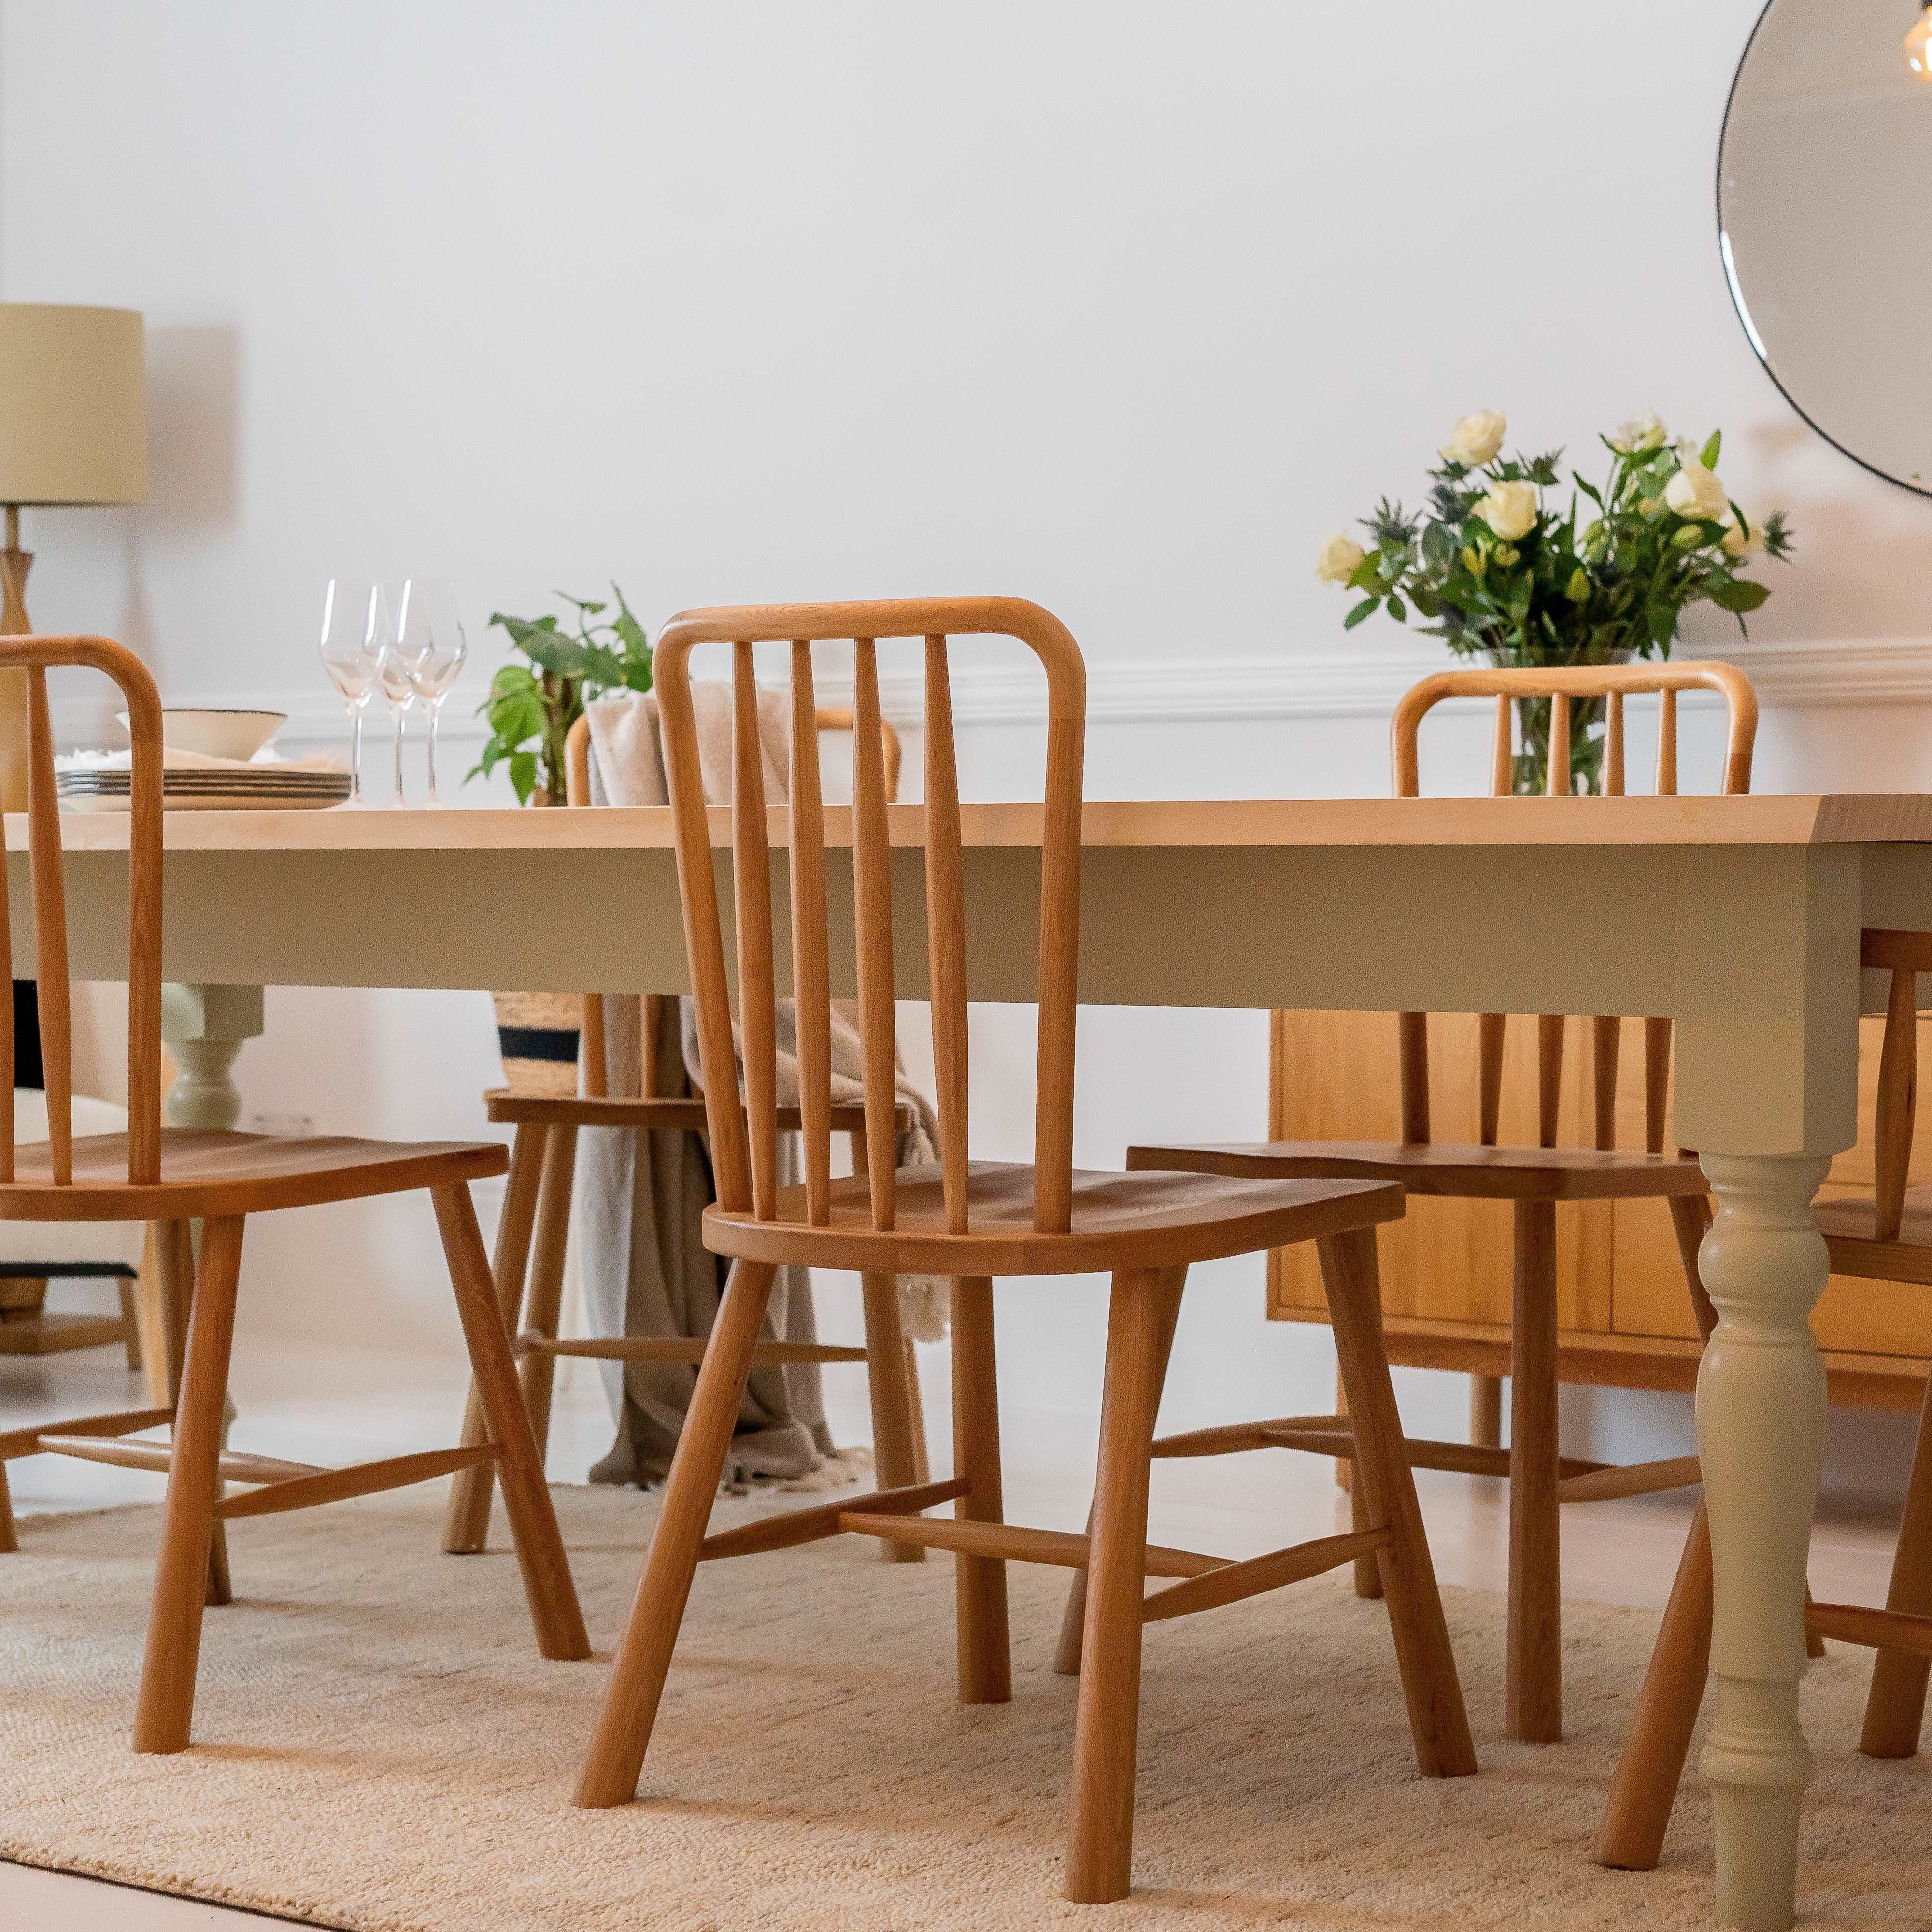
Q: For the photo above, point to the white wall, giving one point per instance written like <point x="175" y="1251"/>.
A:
<point x="1122" y="307"/>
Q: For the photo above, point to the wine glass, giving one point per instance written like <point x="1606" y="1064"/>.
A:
<point x="392" y="677"/>
<point x="349" y="656"/>
<point x="429" y="634"/>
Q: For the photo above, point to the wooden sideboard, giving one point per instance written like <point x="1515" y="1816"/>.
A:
<point x="1625" y="1315"/>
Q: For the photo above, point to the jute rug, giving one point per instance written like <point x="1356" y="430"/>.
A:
<point x="381" y="1748"/>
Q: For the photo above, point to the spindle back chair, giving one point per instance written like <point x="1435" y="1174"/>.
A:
<point x="971" y="1220"/>
<point x="1885" y="1236"/>
<point x="179" y="1176"/>
<point x="745" y="1147"/>
<point x="1534" y="1179"/>
<point x="534" y="1232"/>
<point x="1513" y="689"/>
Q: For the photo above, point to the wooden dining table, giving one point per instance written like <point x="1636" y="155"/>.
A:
<point x="1737" y="917"/>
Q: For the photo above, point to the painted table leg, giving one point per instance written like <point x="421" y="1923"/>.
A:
<point x="1761" y="1434"/>
<point x="204" y="1027"/>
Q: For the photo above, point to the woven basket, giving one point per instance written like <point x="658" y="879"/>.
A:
<point x="537" y="1034"/>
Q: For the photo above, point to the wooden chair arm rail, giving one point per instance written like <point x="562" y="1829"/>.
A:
<point x="1235" y="1581"/>
<point x="679" y="1348"/>
<point x="1468" y="1459"/>
<point x="1874" y="1629"/>
<point x="364" y="1479"/>
<point x="809" y="1525"/>
<point x="27" y="1441"/>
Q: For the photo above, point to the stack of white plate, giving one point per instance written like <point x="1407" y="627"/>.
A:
<point x="255" y="788"/>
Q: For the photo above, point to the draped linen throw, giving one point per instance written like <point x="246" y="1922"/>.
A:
<point x="646" y="1271"/>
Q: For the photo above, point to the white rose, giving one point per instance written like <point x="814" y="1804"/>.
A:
<point x="1477" y="438"/>
<point x="1510" y="510"/>
<point x="1339" y="560"/>
<point x="1635" y="434"/>
<point x="1736" y="543"/>
<point x="1695" y="492"/>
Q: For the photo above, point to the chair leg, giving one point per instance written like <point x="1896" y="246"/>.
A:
<point x="1368" y="1570"/>
<point x="896" y="1458"/>
<point x="165" y="1710"/>
<point x="10" y="1536"/>
<point x="630" y="1708"/>
<point x="1386" y="1486"/>
<point x="1100" y="1850"/>
<point x="979" y="1582"/>
<point x="175" y="1270"/>
<point x="1073" y="1618"/>
<point x="130" y="1323"/>
<point x="150" y="1318"/>
<point x="543" y="1306"/>
<point x="1895" y="1707"/>
<point x="465" y="1518"/>
<point x="1533" y="1713"/>
<point x="546" y="1570"/>
<point x="1630" y="1836"/>
<point x="922" y="1450"/>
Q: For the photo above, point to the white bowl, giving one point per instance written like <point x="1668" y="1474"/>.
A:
<point x="218" y="734"/>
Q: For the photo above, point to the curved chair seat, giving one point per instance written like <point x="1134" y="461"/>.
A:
<point x="1849" y="1226"/>
<point x="1119" y="1221"/>
<point x="1465" y="1173"/>
<point x="216" y="1174"/>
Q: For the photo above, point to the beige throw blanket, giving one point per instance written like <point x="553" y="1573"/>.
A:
<point x="646" y="1271"/>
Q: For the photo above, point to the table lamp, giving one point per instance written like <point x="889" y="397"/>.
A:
<point x="73" y="429"/>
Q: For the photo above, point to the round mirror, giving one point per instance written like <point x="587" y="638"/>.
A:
<point x="1823" y="175"/>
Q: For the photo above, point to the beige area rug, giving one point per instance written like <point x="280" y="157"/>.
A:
<point x="381" y="1747"/>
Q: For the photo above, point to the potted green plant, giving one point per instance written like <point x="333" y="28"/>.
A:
<point x="532" y="705"/>
<point x="1501" y="573"/>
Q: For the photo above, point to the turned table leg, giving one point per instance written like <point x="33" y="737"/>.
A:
<point x="1761" y="1434"/>
<point x="204" y="1027"/>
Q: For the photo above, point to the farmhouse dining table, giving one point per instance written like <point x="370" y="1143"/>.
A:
<point x="1737" y="917"/>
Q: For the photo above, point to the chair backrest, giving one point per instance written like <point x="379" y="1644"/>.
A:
<point x="744" y="1143"/>
<point x="34" y="654"/>
<point x="577" y="791"/>
<point x="1905" y="955"/>
<point x="1511" y="687"/>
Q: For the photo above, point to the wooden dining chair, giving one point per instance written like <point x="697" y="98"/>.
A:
<point x="1534" y="1179"/>
<point x="535" y="1231"/>
<point x="219" y="1179"/>
<point x="1885" y="1236"/>
<point x="972" y="1220"/>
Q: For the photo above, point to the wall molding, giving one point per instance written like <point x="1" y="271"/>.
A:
<point x="1331" y="682"/>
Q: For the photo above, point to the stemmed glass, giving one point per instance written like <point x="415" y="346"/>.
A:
<point x="349" y="644"/>
<point x="392" y="678"/>
<point x="429" y="635"/>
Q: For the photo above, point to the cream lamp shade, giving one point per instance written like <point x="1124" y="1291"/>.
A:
<point x="73" y="419"/>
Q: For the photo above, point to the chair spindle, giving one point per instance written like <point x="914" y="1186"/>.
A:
<point x="1549" y="1031"/>
<point x="751" y="883"/>
<point x="1491" y="1034"/>
<point x="1557" y="783"/>
<point x="1502" y="771"/>
<point x="6" y="1019"/>
<point x="1666" y="742"/>
<point x="811" y="962"/>
<point x="697" y="890"/>
<point x="1898" y="1099"/>
<point x="1606" y="1041"/>
<point x="1656" y="1082"/>
<point x="1412" y="1049"/>
<point x="872" y="904"/>
<point x="946" y="932"/>
<point x="1613" y="745"/>
<point x="44" y="839"/>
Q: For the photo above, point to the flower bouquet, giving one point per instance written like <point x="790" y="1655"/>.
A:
<point x="1502" y="573"/>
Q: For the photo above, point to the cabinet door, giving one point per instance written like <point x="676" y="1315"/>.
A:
<point x="1335" y="1077"/>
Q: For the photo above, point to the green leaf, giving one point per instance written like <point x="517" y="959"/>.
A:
<point x="1396" y="609"/>
<point x="523" y="775"/>
<point x="1707" y="455"/>
<point x="1739" y="594"/>
<point x="1362" y="610"/>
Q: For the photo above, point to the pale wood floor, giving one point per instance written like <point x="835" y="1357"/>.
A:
<point x="345" y="1404"/>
